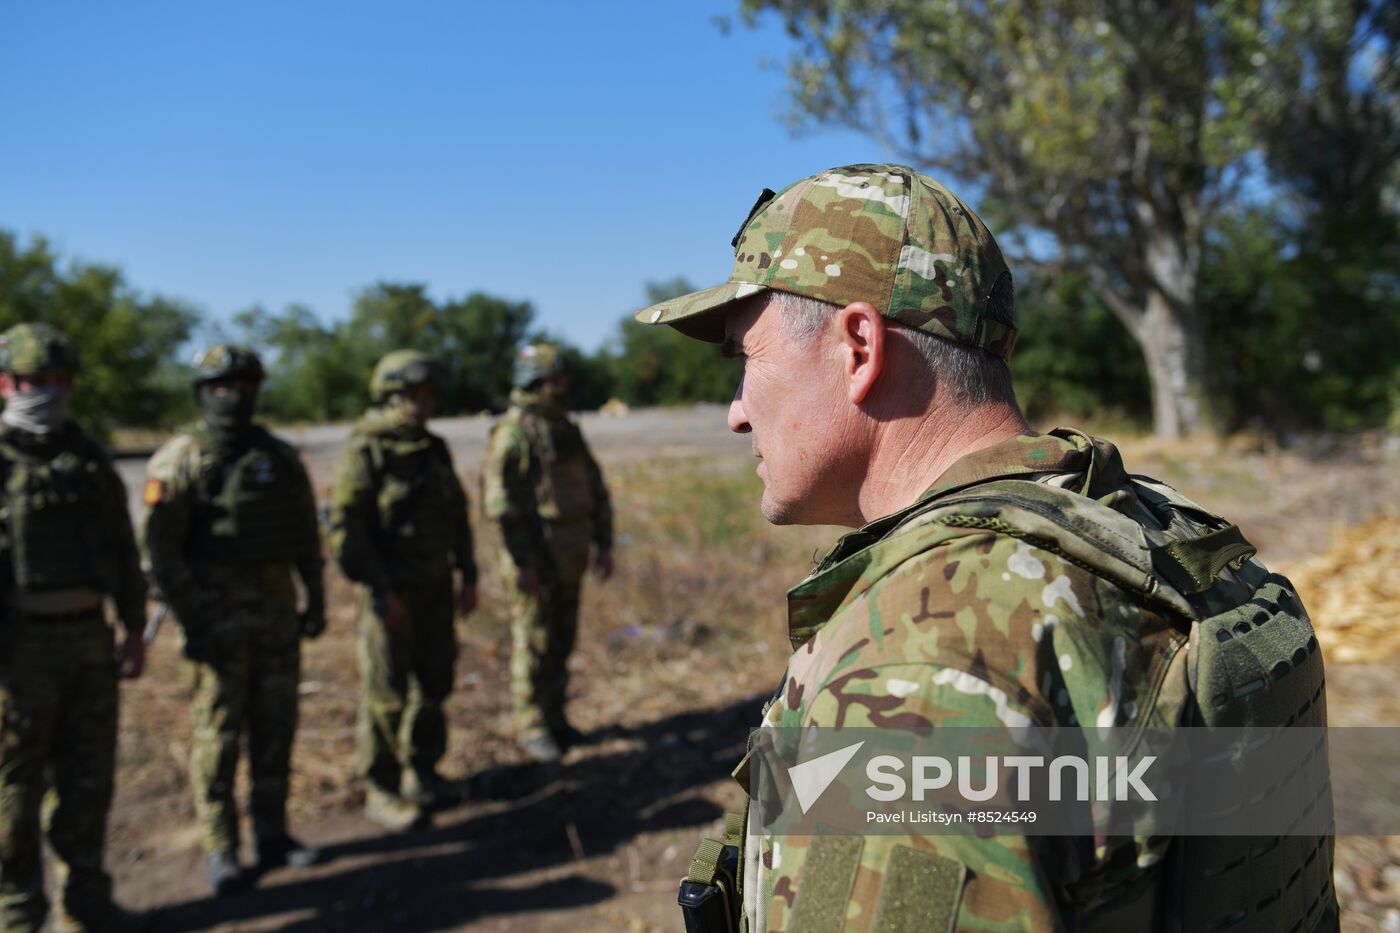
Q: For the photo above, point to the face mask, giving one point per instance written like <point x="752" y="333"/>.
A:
<point x="408" y="412"/>
<point x="40" y="410"/>
<point x="229" y="410"/>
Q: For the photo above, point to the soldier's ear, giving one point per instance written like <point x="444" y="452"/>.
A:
<point x="861" y="332"/>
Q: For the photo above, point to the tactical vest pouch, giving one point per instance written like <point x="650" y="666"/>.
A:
<point x="709" y="893"/>
<point x="54" y="538"/>
<point x="413" y="505"/>
<point x="1254" y="661"/>
<point x="256" y="515"/>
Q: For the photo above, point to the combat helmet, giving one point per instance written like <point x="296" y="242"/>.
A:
<point x="26" y="349"/>
<point x="227" y="361"/>
<point x="403" y="368"/>
<point x="537" y="362"/>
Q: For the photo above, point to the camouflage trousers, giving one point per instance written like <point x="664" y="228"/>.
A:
<point x="244" y="655"/>
<point x="405" y="675"/>
<point x="544" y="626"/>
<point x="58" y="737"/>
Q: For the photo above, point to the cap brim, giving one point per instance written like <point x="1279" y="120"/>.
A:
<point x="700" y="314"/>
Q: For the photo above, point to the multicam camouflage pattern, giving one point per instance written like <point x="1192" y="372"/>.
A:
<point x="26" y="349"/>
<point x="58" y="711"/>
<point x="400" y="369"/>
<point x="227" y="361"/>
<point x="399" y="524"/>
<point x="58" y="689"/>
<point x="535" y="363"/>
<point x="406" y="675"/>
<point x="239" y="621"/>
<point x="541" y="483"/>
<point x="883" y="234"/>
<point x="920" y="625"/>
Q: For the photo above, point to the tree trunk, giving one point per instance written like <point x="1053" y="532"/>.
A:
<point x="1173" y="345"/>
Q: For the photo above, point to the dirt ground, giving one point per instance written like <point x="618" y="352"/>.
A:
<point x="676" y="655"/>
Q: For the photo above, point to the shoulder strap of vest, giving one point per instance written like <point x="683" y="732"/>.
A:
<point x="1168" y="568"/>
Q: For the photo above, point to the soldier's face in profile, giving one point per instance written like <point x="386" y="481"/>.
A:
<point x="790" y="403"/>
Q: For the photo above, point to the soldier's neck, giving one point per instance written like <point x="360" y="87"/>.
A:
<point x="911" y="454"/>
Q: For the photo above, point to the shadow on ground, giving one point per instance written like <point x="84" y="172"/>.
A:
<point x="519" y="819"/>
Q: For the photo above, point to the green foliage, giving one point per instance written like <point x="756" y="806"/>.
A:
<point x="1072" y="357"/>
<point x="321" y="372"/>
<point x="1303" y="326"/>
<point x="658" y="366"/>
<point x="126" y="341"/>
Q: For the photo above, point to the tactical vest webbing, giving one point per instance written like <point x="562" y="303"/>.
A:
<point x="252" y="510"/>
<point x="414" y="479"/>
<point x="1254" y="661"/>
<point x="52" y="509"/>
<point x="564" y="489"/>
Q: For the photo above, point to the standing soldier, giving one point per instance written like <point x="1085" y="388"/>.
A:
<point x="544" y="487"/>
<point x="399" y="527"/>
<point x="68" y="546"/>
<point x="230" y="514"/>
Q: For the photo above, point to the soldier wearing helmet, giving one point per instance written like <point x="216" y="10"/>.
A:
<point x="67" y="548"/>
<point x="399" y="529"/>
<point x="230" y="521"/>
<point x="545" y="489"/>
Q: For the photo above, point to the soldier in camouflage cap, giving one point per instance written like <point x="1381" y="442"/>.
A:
<point x="399" y="528"/>
<point x="543" y="486"/>
<point x="230" y="522"/>
<point x="872" y="311"/>
<point x="66" y="549"/>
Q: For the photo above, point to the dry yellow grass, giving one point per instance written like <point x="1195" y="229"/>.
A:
<point x="1352" y="592"/>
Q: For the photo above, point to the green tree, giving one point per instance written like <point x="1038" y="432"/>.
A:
<point x="657" y="366"/>
<point x="1119" y="130"/>
<point x="126" y="341"/>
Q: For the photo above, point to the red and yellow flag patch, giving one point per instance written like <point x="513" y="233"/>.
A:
<point x="155" y="491"/>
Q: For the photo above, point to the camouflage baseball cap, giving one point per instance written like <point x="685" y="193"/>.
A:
<point x="26" y="349"/>
<point x="536" y="362"/>
<point x="227" y="361"/>
<point x="400" y="369"/>
<point x="884" y="234"/>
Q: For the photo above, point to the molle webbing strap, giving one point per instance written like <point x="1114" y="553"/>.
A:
<point x="1192" y="564"/>
<point x="824" y="887"/>
<point x="705" y="865"/>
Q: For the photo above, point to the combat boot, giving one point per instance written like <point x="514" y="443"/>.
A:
<point x="542" y="747"/>
<point x="225" y="875"/>
<point x="284" y="850"/>
<point x="392" y="811"/>
<point x="430" y="791"/>
<point x="566" y="735"/>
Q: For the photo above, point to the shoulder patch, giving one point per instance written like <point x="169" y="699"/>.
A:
<point x="154" y="491"/>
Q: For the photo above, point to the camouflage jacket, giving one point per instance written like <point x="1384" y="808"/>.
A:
<point x="106" y="528"/>
<point x="538" y="470"/>
<point x="181" y="479"/>
<point x="921" y="625"/>
<point x="398" y="510"/>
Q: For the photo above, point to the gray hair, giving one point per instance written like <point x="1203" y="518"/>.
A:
<point x="972" y="375"/>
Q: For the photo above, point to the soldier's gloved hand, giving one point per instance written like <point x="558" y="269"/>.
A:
<point x="603" y="565"/>
<point x="392" y="609"/>
<point x="131" y="655"/>
<point x="313" y="620"/>
<point x="527" y="580"/>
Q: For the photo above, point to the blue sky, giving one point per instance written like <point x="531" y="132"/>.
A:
<point x="268" y="153"/>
